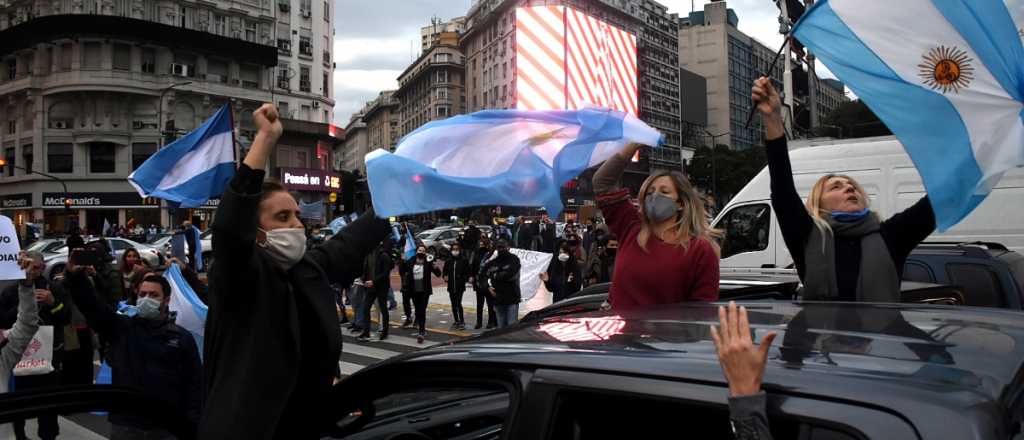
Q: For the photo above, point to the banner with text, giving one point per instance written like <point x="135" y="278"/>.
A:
<point x="532" y="264"/>
<point x="9" y="249"/>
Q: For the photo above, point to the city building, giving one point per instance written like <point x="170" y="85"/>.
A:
<point x="87" y="100"/>
<point x="494" y="74"/>
<point x="432" y="87"/>
<point x="431" y="35"/>
<point x="350" y="154"/>
<point x="711" y="46"/>
<point x="381" y="118"/>
<point x="305" y="68"/>
<point x="831" y="93"/>
<point x="693" y="93"/>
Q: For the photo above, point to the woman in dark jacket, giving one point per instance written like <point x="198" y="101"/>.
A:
<point x="456" y="273"/>
<point x="563" y="277"/>
<point x="842" y="250"/>
<point x="272" y="340"/>
<point x="377" y="280"/>
<point x="418" y="273"/>
<point x="483" y="296"/>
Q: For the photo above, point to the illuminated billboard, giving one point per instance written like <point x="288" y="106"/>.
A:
<point x="566" y="59"/>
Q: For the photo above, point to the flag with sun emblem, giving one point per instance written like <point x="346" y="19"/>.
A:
<point x="497" y="157"/>
<point x="946" y="76"/>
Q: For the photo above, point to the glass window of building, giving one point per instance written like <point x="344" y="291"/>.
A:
<point x="91" y="55"/>
<point x="101" y="157"/>
<point x="148" y="60"/>
<point x="26" y="155"/>
<point x="122" y="56"/>
<point x="60" y="157"/>
<point x="9" y="157"/>
<point x="140" y="152"/>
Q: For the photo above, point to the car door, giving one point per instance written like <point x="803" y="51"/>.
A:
<point x="576" y="405"/>
<point x="87" y="411"/>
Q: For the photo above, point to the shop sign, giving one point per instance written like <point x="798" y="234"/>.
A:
<point x="303" y="179"/>
<point x="99" y="200"/>
<point x="16" y="201"/>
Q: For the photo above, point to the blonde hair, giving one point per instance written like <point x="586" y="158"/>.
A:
<point x="814" y="208"/>
<point x="692" y="222"/>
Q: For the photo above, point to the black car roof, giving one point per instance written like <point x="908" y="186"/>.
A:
<point x="916" y="352"/>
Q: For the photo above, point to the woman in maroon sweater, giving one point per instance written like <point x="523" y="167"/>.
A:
<point x="667" y="252"/>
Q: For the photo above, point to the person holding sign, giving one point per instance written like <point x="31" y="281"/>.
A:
<point x="15" y="342"/>
<point x="272" y="319"/>
<point x="841" y="249"/>
<point x="667" y="250"/>
<point x="501" y="275"/>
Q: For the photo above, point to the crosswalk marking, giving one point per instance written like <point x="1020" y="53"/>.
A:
<point x="348" y="368"/>
<point x="368" y="351"/>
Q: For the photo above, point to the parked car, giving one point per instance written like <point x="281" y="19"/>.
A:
<point x="753" y="239"/>
<point x="153" y="256"/>
<point x="990" y="274"/>
<point x="46" y="245"/>
<point x="836" y="371"/>
<point x="439" y="240"/>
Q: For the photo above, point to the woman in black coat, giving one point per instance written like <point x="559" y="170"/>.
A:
<point x="484" y="301"/>
<point x="563" y="277"/>
<point x="418" y="276"/>
<point x="272" y="340"/>
<point x="456" y="273"/>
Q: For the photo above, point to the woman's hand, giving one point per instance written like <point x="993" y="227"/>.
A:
<point x="630" y="151"/>
<point x="769" y="104"/>
<point x="268" y="121"/>
<point x="742" y="362"/>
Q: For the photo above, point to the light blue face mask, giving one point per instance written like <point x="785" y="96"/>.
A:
<point x="849" y="217"/>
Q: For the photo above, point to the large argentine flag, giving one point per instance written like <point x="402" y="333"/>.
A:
<point x="191" y="310"/>
<point x="497" y="157"/>
<point x="947" y="76"/>
<point x="192" y="169"/>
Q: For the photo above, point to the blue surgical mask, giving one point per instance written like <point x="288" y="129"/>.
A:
<point x="850" y="217"/>
<point x="148" y="308"/>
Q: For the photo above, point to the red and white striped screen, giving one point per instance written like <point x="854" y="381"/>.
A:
<point x="566" y="59"/>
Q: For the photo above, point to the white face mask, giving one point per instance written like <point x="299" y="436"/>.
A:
<point x="456" y="253"/>
<point x="563" y="257"/>
<point x="148" y="308"/>
<point x="285" y="246"/>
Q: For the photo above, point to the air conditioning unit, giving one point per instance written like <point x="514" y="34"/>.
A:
<point x="181" y="69"/>
<point x="307" y="13"/>
<point x="62" y="125"/>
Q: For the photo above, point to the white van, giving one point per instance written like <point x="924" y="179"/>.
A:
<point x="753" y="239"/>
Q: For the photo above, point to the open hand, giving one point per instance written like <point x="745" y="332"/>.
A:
<point x="742" y="362"/>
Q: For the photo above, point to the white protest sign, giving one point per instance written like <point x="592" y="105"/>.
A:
<point x="9" y="249"/>
<point x="532" y="264"/>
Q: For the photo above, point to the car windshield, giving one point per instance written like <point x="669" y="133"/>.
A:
<point x="38" y="246"/>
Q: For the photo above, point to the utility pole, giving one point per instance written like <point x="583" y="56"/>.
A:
<point x="785" y="26"/>
<point x="812" y="82"/>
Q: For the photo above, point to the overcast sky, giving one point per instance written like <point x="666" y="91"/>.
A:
<point x="376" y="40"/>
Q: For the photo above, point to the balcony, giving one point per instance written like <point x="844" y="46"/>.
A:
<point x="284" y="84"/>
<point x="306" y="49"/>
<point x="284" y="46"/>
<point x="250" y="84"/>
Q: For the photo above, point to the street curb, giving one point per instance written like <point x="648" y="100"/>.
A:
<point x="461" y="334"/>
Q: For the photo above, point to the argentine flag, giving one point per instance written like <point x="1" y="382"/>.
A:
<point x="947" y="76"/>
<point x="409" y="252"/>
<point x="190" y="309"/>
<point x="497" y="157"/>
<point x="192" y="169"/>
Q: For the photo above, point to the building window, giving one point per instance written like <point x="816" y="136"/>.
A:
<point x="60" y="158"/>
<point x="101" y="157"/>
<point x="442" y="93"/>
<point x="148" y="60"/>
<point x="327" y="11"/>
<point x="282" y="109"/>
<point x="12" y="126"/>
<point x="220" y="25"/>
<point x="305" y="46"/>
<point x="327" y="84"/>
<point x="12" y="68"/>
<point x="442" y="58"/>
<point x="91" y="55"/>
<point x="65" y="56"/>
<point x="26" y="154"/>
<point x="140" y="152"/>
<point x="9" y="157"/>
<point x="283" y="81"/>
<point x="442" y="76"/>
<point x="304" y="79"/>
<point x="122" y="57"/>
<point x="443" y="111"/>
<point x="250" y="31"/>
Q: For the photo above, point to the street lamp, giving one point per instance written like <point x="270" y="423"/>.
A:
<point x="160" y="112"/>
<point x="67" y="196"/>
<point x="714" y="177"/>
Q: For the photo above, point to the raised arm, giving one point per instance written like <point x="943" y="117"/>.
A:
<point x="606" y="178"/>
<point x="101" y="318"/>
<point x="342" y="256"/>
<point x="910" y="227"/>
<point x="24" y="327"/>
<point x="234" y="236"/>
<point x="794" y="220"/>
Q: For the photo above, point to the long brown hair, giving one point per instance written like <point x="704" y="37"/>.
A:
<point x="692" y="222"/>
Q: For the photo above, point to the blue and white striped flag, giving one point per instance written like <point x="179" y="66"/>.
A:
<point x="190" y="309"/>
<point x="497" y="157"/>
<point x="946" y="76"/>
<point x="192" y="169"/>
<point x="410" y="244"/>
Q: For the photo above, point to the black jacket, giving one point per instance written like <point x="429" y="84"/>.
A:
<point x="58" y="315"/>
<point x="564" y="279"/>
<point x="409" y="278"/>
<point x="502" y="274"/>
<point x="522" y="236"/>
<point x="749" y="417"/>
<point x="156" y="357"/>
<point x="475" y="264"/>
<point x="901" y="232"/>
<point x="457" y="270"/>
<point x="272" y="341"/>
<point x="472" y="237"/>
<point x="547" y="237"/>
<point x="377" y="268"/>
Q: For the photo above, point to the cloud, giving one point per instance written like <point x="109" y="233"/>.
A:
<point x="353" y="88"/>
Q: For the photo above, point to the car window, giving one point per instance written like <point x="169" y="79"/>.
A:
<point x="917" y="272"/>
<point x="980" y="283"/>
<point x="38" y="246"/>
<point x="477" y="412"/>
<point x="581" y="415"/>
<point x="746" y="229"/>
<point x="118" y="245"/>
<point x="446" y="235"/>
